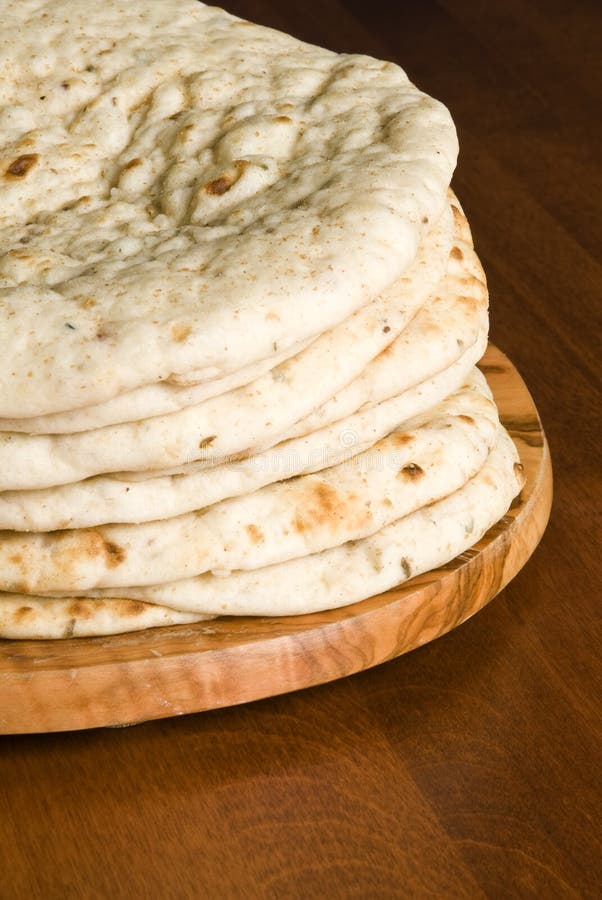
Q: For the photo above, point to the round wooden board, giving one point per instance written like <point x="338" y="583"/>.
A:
<point x="91" y="682"/>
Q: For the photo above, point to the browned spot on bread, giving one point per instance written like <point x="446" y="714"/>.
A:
<point x="470" y="304"/>
<point x="79" y="609"/>
<point x="206" y="442"/>
<point x="320" y="505"/>
<point x="411" y="472"/>
<point x="134" y="607"/>
<point x="456" y="253"/>
<point x="114" y="553"/>
<point x="220" y="185"/>
<point x="223" y="184"/>
<point x="136" y="161"/>
<point x="386" y="329"/>
<point x="400" y="439"/>
<point x="20" y="166"/>
<point x="67" y="550"/>
<point x="284" y="119"/>
<point x="16" y="559"/>
<point x="255" y="533"/>
<point x="102" y="333"/>
<point x="466" y="418"/>
<point x="24" y="612"/>
<point x="179" y="333"/>
<point x="326" y="497"/>
<point x="406" y="567"/>
<point x="299" y="523"/>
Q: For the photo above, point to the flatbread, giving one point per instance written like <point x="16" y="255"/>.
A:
<point x="240" y="420"/>
<point x="150" y="400"/>
<point x="180" y="190"/>
<point x="424" y="540"/>
<point x="428" y="538"/>
<point x="35" y="618"/>
<point x="337" y="431"/>
<point x="454" y="320"/>
<point x="297" y="517"/>
<point x="238" y="321"/>
<point x="410" y="292"/>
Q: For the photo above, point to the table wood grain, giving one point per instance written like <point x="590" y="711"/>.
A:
<point x="470" y="767"/>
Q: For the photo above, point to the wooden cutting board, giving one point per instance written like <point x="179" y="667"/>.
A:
<point x="91" y="682"/>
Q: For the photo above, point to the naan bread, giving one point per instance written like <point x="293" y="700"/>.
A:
<point x="180" y="190"/>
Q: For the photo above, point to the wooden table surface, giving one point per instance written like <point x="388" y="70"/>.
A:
<point x="470" y="767"/>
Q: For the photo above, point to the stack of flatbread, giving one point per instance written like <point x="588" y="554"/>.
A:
<point x="240" y="313"/>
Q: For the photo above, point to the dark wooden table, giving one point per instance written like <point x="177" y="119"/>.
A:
<point x="470" y="767"/>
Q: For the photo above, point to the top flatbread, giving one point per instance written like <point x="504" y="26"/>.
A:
<point x="180" y="190"/>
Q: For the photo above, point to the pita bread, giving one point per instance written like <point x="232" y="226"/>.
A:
<point x="304" y="515"/>
<point x="195" y="186"/>
<point x="238" y="322"/>
<point x="455" y="319"/>
<point x="427" y="538"/>
<point x="241" y="420"/>
<point x="385" y="319"/>
<point x="321" y="442"/>
<point x="35" y="618"/>
<point x="144" y="402"/>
